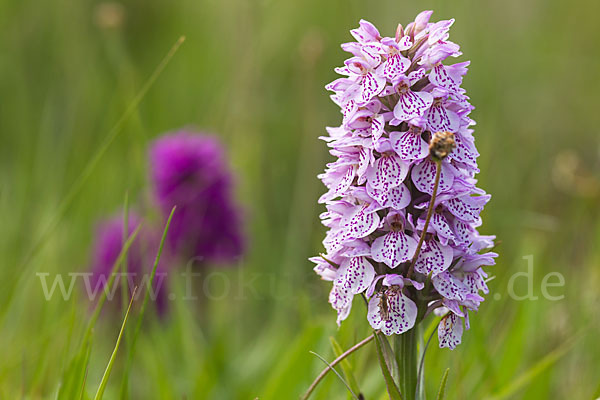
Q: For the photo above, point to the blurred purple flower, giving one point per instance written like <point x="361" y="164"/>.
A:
<point x="190" y="171"/>
<point x="140" y="261"/>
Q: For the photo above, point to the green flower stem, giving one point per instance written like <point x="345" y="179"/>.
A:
<point x="406" y="357"/>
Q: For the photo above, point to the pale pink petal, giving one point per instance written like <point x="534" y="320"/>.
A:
<point x="399" y="197"/>
<point x="393" y="249"/>
<point x="371" y="85"/>
<point x="345" y="181"/>
<point x="389" y="171"/>
<point x="423" y="176"/>
<point x="440" y="77"/>
<point x="416" y="76"/>
<point x="412" y="105"/>
<point x="405" y="43"/>
<point x="467" y="208"/>
<point x="366" y="32"/>
<point x="371" y="54"/>
<point x="453" y="306"/>
<point x="450" y="286"/>
<point x="433" y="258"/>
<point x="341" y="301"/>
<point x="377" y="124"/>
<point x="450" y="331"/>
<point x="464" y="151"/>
<point x="409" y="146"/>
<point x="439" y="119"/>
<point x="439" y="223"/>
<point x="365" y="158"/>
<point x="400" y="316"/>
<point x="462" y="232"/>
<point x="439" y="31"/>
<point x="374" y="314"/>
<point x="395" y="65"/>
<point x="355" y="274"/>
<point x="362" y="223"/>
<point x="475" y="282"/>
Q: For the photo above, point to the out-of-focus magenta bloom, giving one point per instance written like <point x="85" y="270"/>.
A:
<point x="190" y="171"/>
<point x="140" y="261"/>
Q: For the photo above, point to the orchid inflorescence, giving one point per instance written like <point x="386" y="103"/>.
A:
<point x="402" y="203"/>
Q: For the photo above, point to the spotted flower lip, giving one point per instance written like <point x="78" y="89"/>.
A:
<point x="406" y="137"/>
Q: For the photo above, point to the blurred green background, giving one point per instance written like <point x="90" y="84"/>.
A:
<point x="253" y="72"/>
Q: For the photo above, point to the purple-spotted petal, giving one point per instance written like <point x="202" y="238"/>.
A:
<point x="439" y="119"/>
<point x="399" y="314"/>
<point x="395" y="65"/>
<point x="423" y="176"/>
<point x="409" y="146"/>
<point x="389" y="171"/>
<point x="440" y="225"/>
<point x="341" y="301"/>
<point x="377" y="124"/>
<point x="397" y="198"/>
<point x="464" y="151"/>
<point x="372" y="84"/>
<point x="412" y="105"/>
<point x="462" y="232"/>
<point x="450" y="331"/>
<point x="467" y="208"/>
<point x="355" y="274"/>
<point x="434" y="258"/>
<point x="362" y="223"/>
<point x="450" y="286"/>
<point x="393" y="249"/>
<point x="440" y="77"/>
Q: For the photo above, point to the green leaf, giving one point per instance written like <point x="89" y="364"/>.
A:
<point x="388" y="354"/>
<point x="442" y="391"/>
<point x="345" y="364"/>
<point x="392" y="389"/>
<point x="430" y="332"/>
<point x="113" y="357"/>
<point x="133" y="340"/>
<point x="75" y="375"/>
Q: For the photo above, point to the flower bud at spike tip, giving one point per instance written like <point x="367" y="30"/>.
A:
<point x="442" y="144"/>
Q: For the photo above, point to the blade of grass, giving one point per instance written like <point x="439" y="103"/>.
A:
<point x="442" y="391"/>
<point x="85" y="174"/>
<point x="113" y="356"/>
<point x="337" y="373"/>
<point x="87" y="368"/>
<point x="131" y="349"/>
<point x="433" y="324"/>
<point x="345" y="364"/>
<point x="72" y="376"/>
<point x="124" y="285"/>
